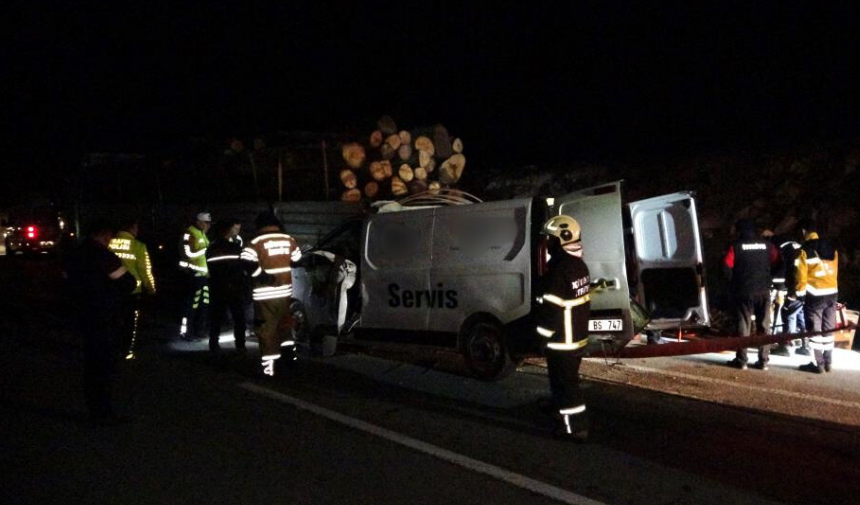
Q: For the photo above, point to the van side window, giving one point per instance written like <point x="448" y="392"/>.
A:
<point x="400" y="241"/>
<point x="665" y="234"/>
<point x="479" y="237"/>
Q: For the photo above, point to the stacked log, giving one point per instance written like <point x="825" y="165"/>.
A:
<point x="393" y="162"/>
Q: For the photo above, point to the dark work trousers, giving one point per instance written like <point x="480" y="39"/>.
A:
<point x="563" y="371"/>
<point x="746" y="307"/>
<point x="101" y="357"/>
<point x="195" y="307"/>
<point x="223" y="301"/>
<point x="130" y="325"/>
<point x="820" y="314"/>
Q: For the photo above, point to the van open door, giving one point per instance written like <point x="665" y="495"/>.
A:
<point x="599" y="212"/>
<point x="670" y="278"/>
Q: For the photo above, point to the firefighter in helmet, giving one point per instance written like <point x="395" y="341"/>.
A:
<point x="269" y="257"/>
<point x="562" y="321"/>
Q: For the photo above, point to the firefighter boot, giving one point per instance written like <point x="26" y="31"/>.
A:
<point x="268" y="363"/>
<point x="572" y="428"/>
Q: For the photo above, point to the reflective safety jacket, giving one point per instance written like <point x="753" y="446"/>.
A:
<point x="270" y="254"/>
<point x="817" y="267"/>
<point x="135" y="258"/>
<point x="193" y="256"/>
<point x="565" y="302"/>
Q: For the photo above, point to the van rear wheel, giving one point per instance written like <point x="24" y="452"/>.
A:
<point x="301" y="331"/>
<point x="486" y="351"/>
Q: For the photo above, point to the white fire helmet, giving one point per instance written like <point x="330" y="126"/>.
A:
<point x="567" y="230"/>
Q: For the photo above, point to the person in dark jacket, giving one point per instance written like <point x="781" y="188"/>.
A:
<point x="228" y="282"/>
<point x="749" y="264"/>
<point x="562" y="321"/>
<point x="99" y="285"/>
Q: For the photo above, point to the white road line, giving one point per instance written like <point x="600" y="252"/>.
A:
<point x="516" y="479"/>
<point x="722" y="382"/>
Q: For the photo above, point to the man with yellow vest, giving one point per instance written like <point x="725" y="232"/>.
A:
<point x="192" y="261"/>
<point x="135" y="258"/>
<point x="817" y="269"/>
<point x="269" y="257"/>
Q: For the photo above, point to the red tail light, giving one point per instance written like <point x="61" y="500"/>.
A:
<point x="32" y="232"/>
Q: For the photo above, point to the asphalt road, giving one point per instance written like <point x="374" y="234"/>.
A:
<point x="363" y="428"/>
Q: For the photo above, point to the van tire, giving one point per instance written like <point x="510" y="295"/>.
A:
<point x="486" y="352"/>
<point x="301" y="329"/>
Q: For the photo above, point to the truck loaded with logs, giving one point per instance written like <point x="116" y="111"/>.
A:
<point x="445" y="269"/>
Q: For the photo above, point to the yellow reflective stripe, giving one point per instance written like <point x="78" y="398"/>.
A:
<point x="147" y="266"/>
<point x="573" y="410"/>
<point x="185" y="264"/>
<point x="545" y="332"/>
<point x="270" y="235"/>
<point x="277" y="270"/>
<point x="822" y="291"/>
<point x="282" y="287"/>
<point x="222" y="258"/>
<point x="565" y="346"/>
<point x="193" y="254"/>
<point x="555" y="300"/>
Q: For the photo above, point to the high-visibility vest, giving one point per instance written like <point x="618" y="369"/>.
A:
<point x="817" y="272"/>
<point x="135" y="258"/>
<point x="194" y="244"/>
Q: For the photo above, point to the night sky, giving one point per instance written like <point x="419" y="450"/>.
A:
<point x="520" y="82"/>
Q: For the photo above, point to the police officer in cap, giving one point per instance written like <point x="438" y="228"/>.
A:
<point x="562" y="322"/>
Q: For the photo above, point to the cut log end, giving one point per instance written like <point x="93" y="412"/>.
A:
<point x="347" y="177"/>
<point x="423" y="143"/>
<point x="353" y="154"/>
<point x="351" y="195"/>
<point x="405" y="173"/>
<point x="371" y="189"/>
<point x="386" y="125"/>
<point x="457" y="146"/>
<point x="398" y="187"/>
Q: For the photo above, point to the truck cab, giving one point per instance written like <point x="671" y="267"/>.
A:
<point x="464" y="275"/>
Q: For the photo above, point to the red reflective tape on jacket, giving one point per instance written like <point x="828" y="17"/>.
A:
<point x="729" y="260"/>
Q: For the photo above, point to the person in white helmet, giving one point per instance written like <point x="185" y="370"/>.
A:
<point x="562" y="321"/>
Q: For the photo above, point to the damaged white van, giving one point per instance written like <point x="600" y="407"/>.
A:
<point x="456" y="273"/>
